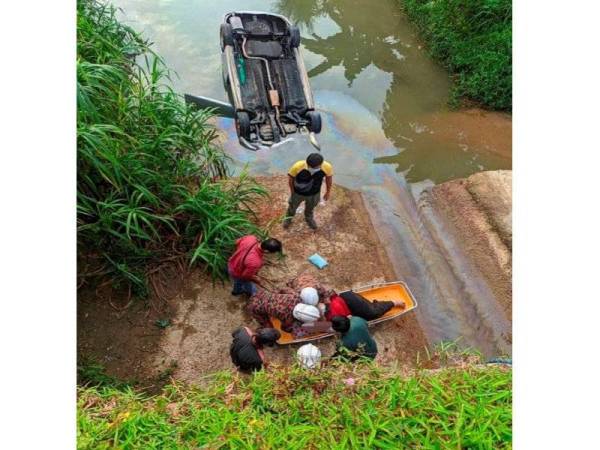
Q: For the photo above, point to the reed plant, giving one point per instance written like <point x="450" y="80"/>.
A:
<point x="151" y="182"/>
<point x="473" y="39"/>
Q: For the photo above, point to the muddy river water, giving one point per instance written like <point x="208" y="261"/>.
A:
<point x="387" y="130"/>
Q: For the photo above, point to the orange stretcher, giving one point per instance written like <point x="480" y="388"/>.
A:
<point x="395" y="290"/>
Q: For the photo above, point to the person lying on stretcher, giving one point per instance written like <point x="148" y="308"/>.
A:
<point x="346" y="304"/>
<point x="297" y="314"/>
<point x="282" y="304"/>
<point x="306" y="306"/>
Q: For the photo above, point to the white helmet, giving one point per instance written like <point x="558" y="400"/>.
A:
<point x="309" y="356"/>
<point x="306" y="313"/>
<point x="309" y="296"/>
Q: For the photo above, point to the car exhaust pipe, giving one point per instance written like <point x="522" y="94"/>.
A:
<point x="313" y="140"/>
<point x="248" y="145"/>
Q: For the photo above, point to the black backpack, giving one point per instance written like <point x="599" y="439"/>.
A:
<point x="303" y="182"/>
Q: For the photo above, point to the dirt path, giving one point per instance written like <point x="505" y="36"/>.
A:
<point x="203" y="315"/>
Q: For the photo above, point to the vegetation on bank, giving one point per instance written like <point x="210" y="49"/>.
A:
<point x="473" y="39"/>
<point x="150" y="178"/>
<point x="337" y="407"/>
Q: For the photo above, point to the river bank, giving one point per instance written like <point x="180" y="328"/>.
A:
<point x="473" y="217"/>
<point x="154" y="318"/>
<point x="202" y="315"/>
<point x="473" y="40"/>
<point x="478" y="212"/>
<point x="470" y="224"/>
<point x="129" y="342"/>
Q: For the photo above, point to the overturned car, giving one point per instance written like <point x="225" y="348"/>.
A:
<point x="265" y="79"/>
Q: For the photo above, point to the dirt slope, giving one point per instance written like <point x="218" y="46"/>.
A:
<point x="478" y="212"/>
<point x="203" y="315"/>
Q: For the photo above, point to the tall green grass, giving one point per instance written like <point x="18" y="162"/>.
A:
<point x="339" y="407"/>
<point x="473" y="39"/>
<point x="150" y="178"/>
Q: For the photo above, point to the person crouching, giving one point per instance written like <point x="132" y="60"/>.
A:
<point x="246" y="349"/>
<point x="246" y="261"/>
<point x="355" y="339"/>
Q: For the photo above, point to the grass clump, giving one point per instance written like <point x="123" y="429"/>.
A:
<point x="150" y="179"/>
<point x="337" y="407"/>
<point x="92" y="373"/>
<point x="473" y="39"/>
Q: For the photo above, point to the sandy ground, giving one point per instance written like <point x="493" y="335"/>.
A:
<point x="131" y="346"/>
<point x="478" y="213"/>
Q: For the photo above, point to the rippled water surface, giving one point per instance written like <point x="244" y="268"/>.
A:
<point x="386" y="127"/>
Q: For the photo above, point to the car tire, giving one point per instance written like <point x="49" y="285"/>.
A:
<point x="242" y="124"/>
<point x="314" y="121"/>
<point x="226" y="35"/>
<point x="294" y="36"/>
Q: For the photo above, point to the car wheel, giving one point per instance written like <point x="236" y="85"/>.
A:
<point x="242" y="124"/>
<point x="294" y="36"/>
<point x="314" y="121"/>
<point x="226" y="35"/>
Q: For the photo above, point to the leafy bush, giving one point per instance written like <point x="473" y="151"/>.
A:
<point x="150" y="179"/>
<point x="473" y="39"/>
<point x="340" y="406"/>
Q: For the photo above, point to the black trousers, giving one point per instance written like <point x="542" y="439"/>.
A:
<point x="361" y="307"/>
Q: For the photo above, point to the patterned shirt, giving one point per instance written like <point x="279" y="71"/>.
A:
<point x="265" y="304"/>
<point x="306" y="279"/>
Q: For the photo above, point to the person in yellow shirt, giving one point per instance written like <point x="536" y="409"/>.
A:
<point x="305" y="180"/>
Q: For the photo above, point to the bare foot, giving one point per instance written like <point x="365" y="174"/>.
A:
<point x="400" y="303"/>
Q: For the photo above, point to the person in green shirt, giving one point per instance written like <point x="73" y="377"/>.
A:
<point x="355" y="337"/>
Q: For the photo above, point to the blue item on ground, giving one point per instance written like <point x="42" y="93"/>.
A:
<point x="317" y="260"/>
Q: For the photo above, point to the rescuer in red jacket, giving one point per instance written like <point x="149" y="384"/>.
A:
<point x="246" y="261"/>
